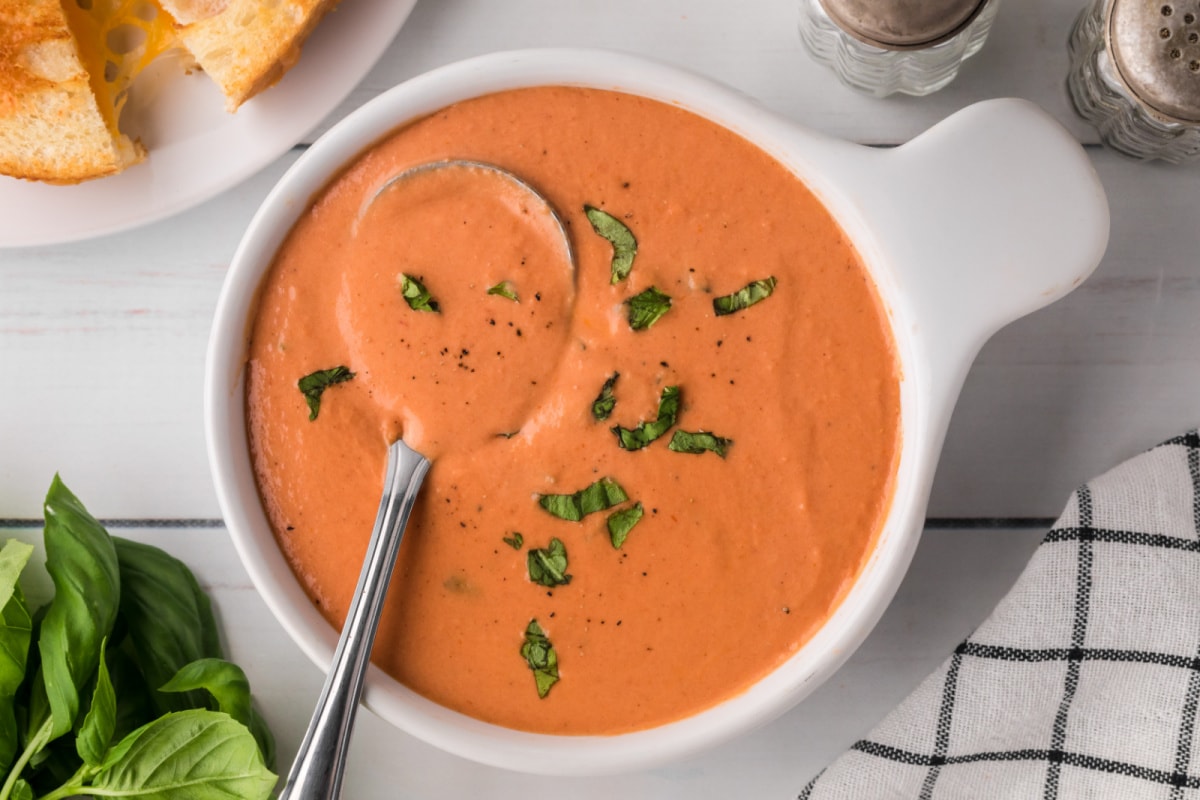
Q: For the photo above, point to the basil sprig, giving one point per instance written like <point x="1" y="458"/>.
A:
<point x="621" y="522"/>
<point x="504" y="289"/>
<point x="539" y="654"/>
<point x="313" y="385"/>
<point x="646" y="308"/>
<point x="699" y="442"/>
<point x="619" y="236"/>
<point x="748" y="295"/>
<point x="548" y="567"/>
<point x="647" y="432"/>
<point x="599" y="496"/>
<point x="122" y="614"/>
<point x="416" y="295"/>
<point x="604" y="403"/>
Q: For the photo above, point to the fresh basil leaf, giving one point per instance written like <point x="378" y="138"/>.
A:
<point x="416" y="295"/>
<point x="263" y="736"/>
<point x="604" y="403"/>
<point x="198" y="754"/>
<point x="16" y="630"/>
<point x="699" y="442"/>
<point x="13" y="558"/>
<point x="96" y="732"/>
<point x="548" y="567"/>
<point x="539" y="654"/>
<point x="748" y="295"/>
<point x="619" y="236"/>
<point x="516" y="541"/>
<point x="225" y="681"/>
<point x="82" y="562"/>
<point x="646" y="307"/>
<point x="227" y="684"/>
<point x="604" y="493"/>
<point x="169" y="619"/>
<point x="504" y="289"/>
<point x="647" y="432"/>
<point x="21" y="790"/>
<point x="314" y="384"/>
<point x="621" y="522"/>
<point x="136" y="707"/>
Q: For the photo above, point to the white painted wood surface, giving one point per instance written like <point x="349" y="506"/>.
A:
<point x="102" y="346"/>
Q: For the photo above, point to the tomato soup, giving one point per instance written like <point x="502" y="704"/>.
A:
<point x="655" y="475"/>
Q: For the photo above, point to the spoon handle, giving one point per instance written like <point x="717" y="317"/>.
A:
<point x="317" y="771"/>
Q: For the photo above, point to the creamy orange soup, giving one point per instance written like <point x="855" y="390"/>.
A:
<point x="739" y="555"/>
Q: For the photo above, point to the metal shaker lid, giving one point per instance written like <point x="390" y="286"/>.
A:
<point x="1155" y="47"/>
<point x="902" y="24"/>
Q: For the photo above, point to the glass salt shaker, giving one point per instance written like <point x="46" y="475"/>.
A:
<point x="886" y="46"/>
<point x="1135" y="75"/>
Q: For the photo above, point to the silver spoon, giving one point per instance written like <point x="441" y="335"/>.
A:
<point x="473" y="166"/>
<point x="317" y="771"/>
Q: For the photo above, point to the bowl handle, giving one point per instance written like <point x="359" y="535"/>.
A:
<point x="987" y="216"/>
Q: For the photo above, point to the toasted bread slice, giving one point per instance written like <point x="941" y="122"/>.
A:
<point x="65" y="67"/>
<point x="245" y="46"/>
<point x="52" y="127"/>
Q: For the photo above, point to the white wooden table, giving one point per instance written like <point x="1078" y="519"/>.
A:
<point x="102" y="347"/>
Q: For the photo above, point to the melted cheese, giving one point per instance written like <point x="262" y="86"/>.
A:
<point x="117" y="39"/>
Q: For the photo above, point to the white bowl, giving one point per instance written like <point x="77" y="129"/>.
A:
<point x="990" y="215"/>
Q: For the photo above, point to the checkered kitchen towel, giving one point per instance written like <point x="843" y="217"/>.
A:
<point x="1085" y="680"/>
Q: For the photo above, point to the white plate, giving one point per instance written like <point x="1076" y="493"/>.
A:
<point x="197" y="149"/>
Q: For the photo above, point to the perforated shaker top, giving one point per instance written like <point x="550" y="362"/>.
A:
<point x="902" y="24"/>
<point x="1156" y="49"/>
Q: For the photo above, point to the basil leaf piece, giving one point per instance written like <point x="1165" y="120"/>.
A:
<point x="745" y="297"/>
<point x="619" y="236"/>
<point x="646" y="308"/>
<point x="540" y="656"/>
<point x="603" y="494"/>
<point x="16" y="632"/>
<point x="21" y="790"/>
<point x="195" y="753"/>
<point x="699" y="442"/>
<point x="516" y="541"/>
<point x="549" y="567"/>
<point x="647" y="432"/>
<point x="136" y="707"/>
<point x="313" y="385"/>
<point x="95" y="734"/>
<point x="620" y="523"/>
<point x="169" y="619"/>
<point x="603" y="405"/>
<point x="504" y="289"/>
<point x="82" y="561"/>
<point x="416" y="295"/>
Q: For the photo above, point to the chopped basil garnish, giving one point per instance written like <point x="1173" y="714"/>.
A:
<point x="312" y="386"/>
<point x="540" y="656"/>
<point x="603" y="494"/>
<point x="698" y="442"/>
<point x="623" y="243"/>
<point x="645" y="308"/>
<point x="620" y="523"/>
<point x="647" y="432"/>
<point x="549" y="567"/>
<point x="602" y="406"/>
<point x="516" y="541"/>
<point x="504" y="289"/>
<point x="416" y="295"/>
<point x="745" y="297"/>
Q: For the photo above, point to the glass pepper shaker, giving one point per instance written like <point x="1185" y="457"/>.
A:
<point x="1135" y="75"/>
<point x="886" y="46"/>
